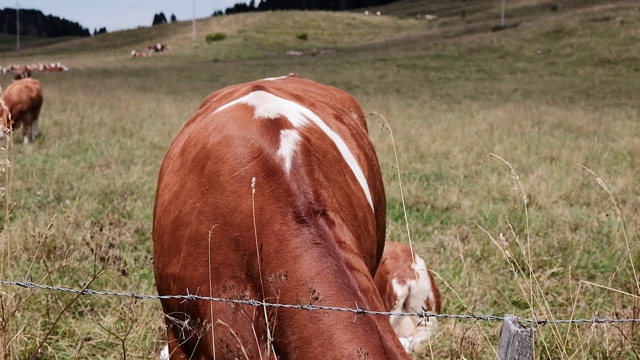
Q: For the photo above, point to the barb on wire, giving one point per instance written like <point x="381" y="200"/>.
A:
<point x="311" y="307"/>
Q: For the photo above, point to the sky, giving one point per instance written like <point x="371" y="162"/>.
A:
<point x="120" y="14"/>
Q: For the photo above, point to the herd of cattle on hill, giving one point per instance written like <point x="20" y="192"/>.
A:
<point x="314" y="230"/>
<point x="22" y="71"/>
<point x="22" y="99"/>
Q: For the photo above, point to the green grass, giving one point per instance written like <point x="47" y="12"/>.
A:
<point x="556" y="92"/>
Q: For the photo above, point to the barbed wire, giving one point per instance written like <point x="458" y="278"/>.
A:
<point x="311" y="307"/>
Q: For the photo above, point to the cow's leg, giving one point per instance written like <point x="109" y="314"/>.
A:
<point x="173" y="351"/>
<point x="34" y="130"/>
<point x="26" y="132"/>
<point x="164" y="353"/>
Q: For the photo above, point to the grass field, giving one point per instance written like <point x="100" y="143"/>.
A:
<point x="552" y="99"/>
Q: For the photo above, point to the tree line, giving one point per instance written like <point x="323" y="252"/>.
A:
<point x="35" y="23"/>
<point x="329" y="5"/>
<point x="159" y="18"/>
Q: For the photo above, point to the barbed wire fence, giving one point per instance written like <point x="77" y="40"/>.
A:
<point x="311" y="307"/>
<point x="517" y="334"/>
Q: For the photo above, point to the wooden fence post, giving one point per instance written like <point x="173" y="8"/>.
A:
<point x="516" y="341"/>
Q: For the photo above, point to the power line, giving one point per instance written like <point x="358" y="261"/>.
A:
<point x="193" y="24"/>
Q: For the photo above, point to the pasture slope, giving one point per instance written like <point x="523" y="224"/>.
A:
<point x="558" y="91"/>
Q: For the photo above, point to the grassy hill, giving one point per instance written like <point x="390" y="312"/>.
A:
<point x="8" y="43"/>
<point x="558" y="91"/>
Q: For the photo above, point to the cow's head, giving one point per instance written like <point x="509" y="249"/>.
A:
<point x="5" y="120"/>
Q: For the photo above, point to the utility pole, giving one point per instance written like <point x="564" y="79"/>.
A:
<point x="502" y="13"/>
<point x="193" y="24"/>
<point x="18" y="25"/>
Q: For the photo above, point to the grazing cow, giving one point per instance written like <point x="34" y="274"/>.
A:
<point x="53" y="67"/>
<point x="272" y="191"/>
<point x="136" y="53"/>
<point x="22" y="73"/>
<point x="157" y="48"/>
<point x="406" y="285"/>
<point x="12" y="68"/>
<point x="23" y="98"/>
<point x="295" y="52"/>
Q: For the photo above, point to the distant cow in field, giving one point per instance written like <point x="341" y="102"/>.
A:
<point x="272" y="191"/>
<point x="53" y="67"/>
<point x="11" y="68"/>
<point x="406" y="285"/>
<point x="23" y="99"/>
<point x="157" y="48"/>
<point x="136" y="53"/>
<point x="22" y="73"/>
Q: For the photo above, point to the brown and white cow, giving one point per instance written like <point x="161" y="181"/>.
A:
<point x="53" y="67"/>
<point x="11" y="68"/>
<point x="23" y="99"/>
<point x="136" y="53"/>
<point x="157" y="48"/>
<point x="22" y="73"/>
<point x="34" y="66"/>
<point x="311" y="233"/>
<point x="406" y="285"/>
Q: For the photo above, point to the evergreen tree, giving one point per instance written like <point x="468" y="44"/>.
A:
<point x="336" y="5"/>
<point x="35" y="23"/>
<point x="159" y="19"/>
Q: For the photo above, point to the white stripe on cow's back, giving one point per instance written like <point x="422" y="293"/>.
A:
<point x="269" y="106"/>
<point x="289" y="139"/>
<point x="279" y="77"/>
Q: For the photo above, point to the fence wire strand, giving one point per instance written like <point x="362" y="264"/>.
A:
<point x="311" y="307"/>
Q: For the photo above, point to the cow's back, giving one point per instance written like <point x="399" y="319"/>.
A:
<point x="23" y="94"/>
